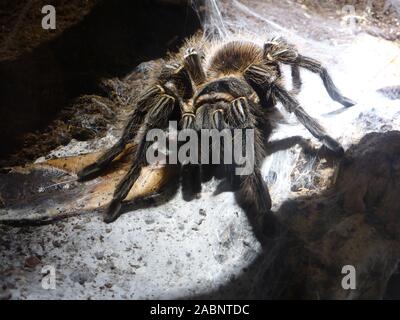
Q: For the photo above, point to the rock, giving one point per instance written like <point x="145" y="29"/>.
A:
<point x="32" y="262"/>
<point x="356" y="222"/>
<point x="392" y="92"/>
<point x="149" y="220"/>
<point x="99" y="255"/>
<point x="57" y="244"/>
<point x="108" y="285"/>
<point x="82" y="276"/>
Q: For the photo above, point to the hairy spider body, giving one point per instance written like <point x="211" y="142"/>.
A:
<point x="223" y="86"/>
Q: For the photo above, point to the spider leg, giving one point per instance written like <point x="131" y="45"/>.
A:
<point x="191" y="181"/>
<point x="179" y="75"/>
<point x="190" y="173"/>
<point x="192" y="62"/>
<point x="316" y="67"/>
<point x="281" y="51"/>
<point x="203" y="120"/>
<point x="252" y="189"/>
<point x="292" y="105"/>
<point x="211" y="118"/>
<point x="287" y="143"/>
<point x="260" y="77"/>
<point x="157" y="117"/>
<point x="238" y="115"/>
<point x="128" y="133"/>
<point x="296" y="79"/>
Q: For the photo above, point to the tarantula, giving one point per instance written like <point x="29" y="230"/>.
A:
<point x="214" y="85"/>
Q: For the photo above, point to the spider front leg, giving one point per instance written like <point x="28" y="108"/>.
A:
<point x="157" y="117"/>
<point x="193" y="65"/>
<point x="316" y="67"/>
<point x="252" y="189"/>
<point x="190" y="172"/>
<point x="261" y="78"/>
<point x="287" y="143"/>
<point x="296" y="79"/>
<point x="278" y="50"/>
<point x="136" y="118"/>
<point x="292" y="105"/>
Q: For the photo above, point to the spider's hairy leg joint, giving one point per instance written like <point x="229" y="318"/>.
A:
<point x="187" y="121"/>
<point x="333" y="145"/>
<point x="189" y="52"/>
<point x="194" y="65"/>
<point x="128" y="133"/>
<point x="258" y="75"/>
<point x="112" y="212"/>
<point x="157" y="112"/>
<point x="160" y="88"/>
<point x="278" y="49"/>
<point x="154" y="90"/>
<point x="174" y="66"/>
<point x="239" y="108"/>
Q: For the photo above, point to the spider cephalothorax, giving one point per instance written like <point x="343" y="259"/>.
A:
<point x="223" y="86"/>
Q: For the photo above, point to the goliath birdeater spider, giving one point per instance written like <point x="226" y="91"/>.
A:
<point x="222" y="85"/>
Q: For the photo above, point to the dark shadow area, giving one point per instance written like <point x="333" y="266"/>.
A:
<point x="166" y="195"/>
<point x="393" y="286"/>
<point x="114" y="38"/>
<point x="293" y="263"/>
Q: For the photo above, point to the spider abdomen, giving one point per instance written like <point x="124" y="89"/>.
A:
<point x="234" y="57"/>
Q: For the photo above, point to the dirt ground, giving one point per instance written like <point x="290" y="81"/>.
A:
<point x="378" y="17"/>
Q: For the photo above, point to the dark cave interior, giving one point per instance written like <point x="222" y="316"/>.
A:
<point x="109" y="42"/>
